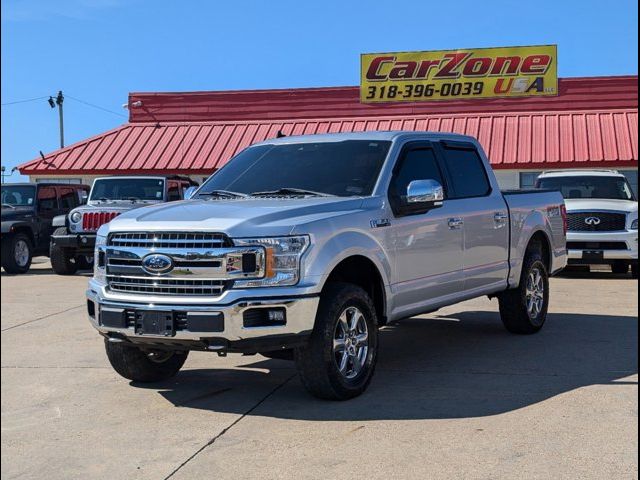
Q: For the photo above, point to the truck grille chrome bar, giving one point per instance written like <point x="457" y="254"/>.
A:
<point x="169" y="240"/>
<point x="158" y="286"/>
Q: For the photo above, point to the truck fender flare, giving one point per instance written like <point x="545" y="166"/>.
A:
<point x="534" y="224"/>
<point x="345" y="245"/>
<point x="10" y="226"/>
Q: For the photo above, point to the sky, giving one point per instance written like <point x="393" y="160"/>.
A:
<point x="97" y="51"/>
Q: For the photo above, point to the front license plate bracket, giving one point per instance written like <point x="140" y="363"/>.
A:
<point x="154" y="323"/>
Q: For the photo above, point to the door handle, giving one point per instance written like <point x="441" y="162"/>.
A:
<point x="501" y="217"/>
<point x="455" y="223"/>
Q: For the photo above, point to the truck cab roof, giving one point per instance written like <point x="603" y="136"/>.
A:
<point x="582" y="173"/>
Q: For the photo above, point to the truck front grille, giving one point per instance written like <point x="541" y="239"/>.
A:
<point x="597" y="222"/>
<point x="199" y="266"/>
<point x="166" y="286"/>
<point x="177" y="240"/>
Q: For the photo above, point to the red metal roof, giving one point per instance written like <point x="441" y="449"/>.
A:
<point x="605" y="135"/>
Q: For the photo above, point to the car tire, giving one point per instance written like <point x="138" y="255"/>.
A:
<point x="340" y="358"/>
<point x="17" y="254"/>
<point x="620" y="267"/>
<point x="524" y="309"/>
<point x="144" y="366"/>
<point x="62" y="259"/>
<point x="84" y="262"/>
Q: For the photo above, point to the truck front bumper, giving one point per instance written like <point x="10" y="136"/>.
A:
<point x="602" y="247"/>
<point x="81" y="242"/>
<point x="242" y="326"/>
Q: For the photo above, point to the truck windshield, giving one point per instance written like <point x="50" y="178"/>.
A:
<point x="345" y="168"/>
<point x="18" y="195"/>
<point x="615" y="188"/>
<point x="128" y="189"/>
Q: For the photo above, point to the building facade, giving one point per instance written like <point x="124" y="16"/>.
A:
<point x="592" y="123"/>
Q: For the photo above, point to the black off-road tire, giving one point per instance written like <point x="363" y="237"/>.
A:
<point x="63" y="260"/>
<point x="134" y="364"/>
<point x="620" y="267"/>
<point x="513" y="302"/>
<point x="83" y="262"/>
<point x="316" y="363"/>
<point x="8" y="253"/>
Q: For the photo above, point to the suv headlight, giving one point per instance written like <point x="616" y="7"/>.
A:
<point x="282" y="260"/>
<point x="634" y="224"/>
<point x="99" y="267"/>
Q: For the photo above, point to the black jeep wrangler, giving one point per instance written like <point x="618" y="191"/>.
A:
<point x="28" y="210"/>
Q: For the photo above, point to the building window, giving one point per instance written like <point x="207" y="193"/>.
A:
<point x="528" y="179"/>
<point x="77" y="181"/>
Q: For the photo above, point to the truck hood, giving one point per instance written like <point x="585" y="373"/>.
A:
<point x="236" y="217"/>
<point x="588" y="204"/>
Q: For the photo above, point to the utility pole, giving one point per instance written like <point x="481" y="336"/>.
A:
<point x="52" y="103"/>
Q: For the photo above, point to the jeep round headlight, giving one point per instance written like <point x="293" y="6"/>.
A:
<point x="75" y="217"/>
<point x="634" y="224"/>
<point x="282" y="260"/>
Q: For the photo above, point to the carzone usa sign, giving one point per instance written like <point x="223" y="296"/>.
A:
<point x="459" y="74"/>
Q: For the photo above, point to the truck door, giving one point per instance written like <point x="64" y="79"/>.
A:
<point x="428" y="246"/>
<point x="485" y="217"/>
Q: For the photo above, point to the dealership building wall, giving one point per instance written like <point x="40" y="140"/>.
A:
<point x="591" y="123"/>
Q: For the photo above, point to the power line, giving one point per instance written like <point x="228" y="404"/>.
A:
<point x="95" y="106"/>
<point x="25" y="101"/>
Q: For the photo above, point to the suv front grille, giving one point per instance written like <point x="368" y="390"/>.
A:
<point x="597" y="222"/>
<point x="175" y="240"/>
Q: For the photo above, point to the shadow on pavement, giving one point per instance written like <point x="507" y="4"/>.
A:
<point x="464" y="365"/>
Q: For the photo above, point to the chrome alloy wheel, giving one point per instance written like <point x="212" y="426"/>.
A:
<point x="21" y="253"/>
<point x="535" y="293"/>
<point x="350" y="342"/>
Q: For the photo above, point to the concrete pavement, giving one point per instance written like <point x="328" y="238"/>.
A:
<point x="454" y="396"/>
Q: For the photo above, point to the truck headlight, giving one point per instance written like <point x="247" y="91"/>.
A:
<point x="75" y="217"/>
<point x="634" y="224"/>
<point x="282" y="260"/>
<point x="99" y="264"/>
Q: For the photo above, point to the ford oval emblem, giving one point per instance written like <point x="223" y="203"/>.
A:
<point x="157" y="263"/>
<point x="593" y="221"/>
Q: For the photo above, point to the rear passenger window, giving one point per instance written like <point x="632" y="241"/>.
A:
<point x="467" y="172"/>
<point x="174" y="192"/>
<point x="418" y="164"/>
<point x="68" y="198"/>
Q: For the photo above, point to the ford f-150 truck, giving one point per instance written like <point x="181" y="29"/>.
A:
<point x="603" y="217"/>
<point x="307" y="245"/>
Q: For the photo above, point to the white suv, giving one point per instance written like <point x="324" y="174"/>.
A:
<point x="603" y="217"/>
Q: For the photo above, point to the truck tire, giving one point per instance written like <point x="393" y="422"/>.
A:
<point x="62" y="259"/>
<point x="17" y="253"/>
<point x="134" y="364"/>
<point x="340" y="358"/>
<point x="620" y="267"/>
<point x="524" y="309"/>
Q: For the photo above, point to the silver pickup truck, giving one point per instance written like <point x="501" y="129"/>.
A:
<point x="305" y="246"/>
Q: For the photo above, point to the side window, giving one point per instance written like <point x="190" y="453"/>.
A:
<point x="68" y="198"/>
<point x="174" y="192"/>
<point x="467" y="172"/>
<point x="47" y="198"/>
<point x="416" y="164"/>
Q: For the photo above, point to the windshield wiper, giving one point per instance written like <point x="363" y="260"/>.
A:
<point x="291" y="191"/>
<point x="222" y="193"/>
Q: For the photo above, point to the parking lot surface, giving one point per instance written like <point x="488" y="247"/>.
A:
<point x="454" y="396"/>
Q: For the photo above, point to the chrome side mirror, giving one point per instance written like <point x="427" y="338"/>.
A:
<point x="188" y="193"/>
<point x="421" y="192"/>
